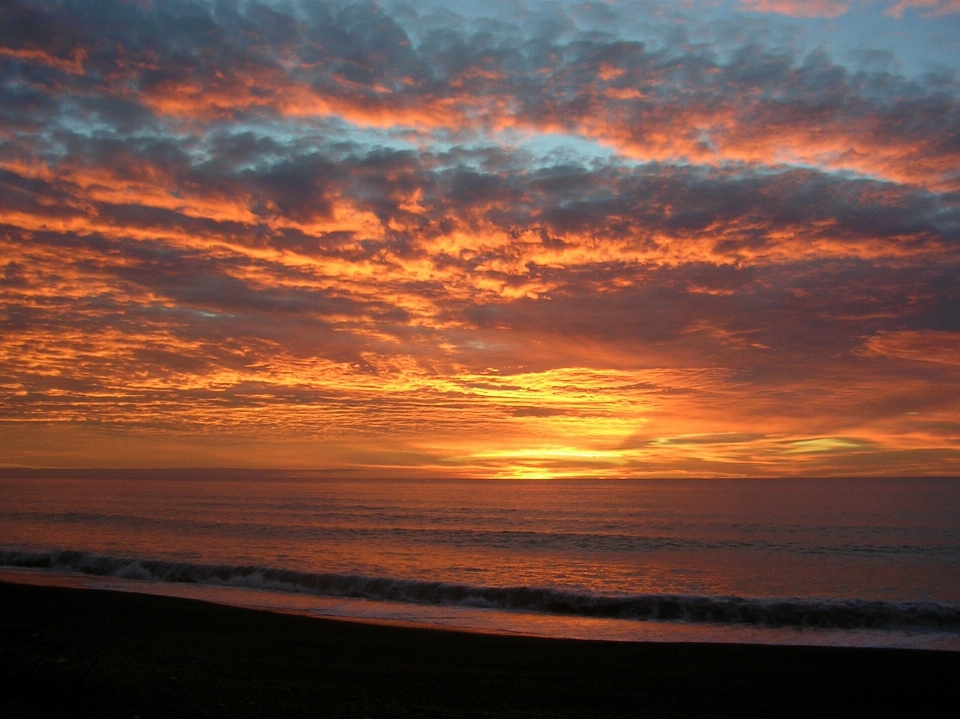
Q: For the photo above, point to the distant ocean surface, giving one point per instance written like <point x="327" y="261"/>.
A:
<point x="871" y="562"/>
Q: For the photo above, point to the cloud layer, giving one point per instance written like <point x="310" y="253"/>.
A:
<point x="835" y="8"/>
<point x="386" y="240"/>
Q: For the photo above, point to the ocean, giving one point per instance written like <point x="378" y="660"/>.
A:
<point x="849" y="562"/>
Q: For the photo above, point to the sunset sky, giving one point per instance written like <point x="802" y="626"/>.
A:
<point x="481" y="239"/>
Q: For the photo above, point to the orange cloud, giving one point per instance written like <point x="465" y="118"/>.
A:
<point x="799" y="8"/>
<point x="917" y="346"/>
<point x="931" y="8"/>
<point x="72" y="65"/>
<point x="328" y="256"/>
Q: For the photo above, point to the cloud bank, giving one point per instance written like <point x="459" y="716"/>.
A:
<point x="391" y="240"/>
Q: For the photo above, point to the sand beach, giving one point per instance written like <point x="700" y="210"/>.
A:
<point x="80" y="652"/>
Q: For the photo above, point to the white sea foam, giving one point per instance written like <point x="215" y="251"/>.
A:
<point x="715" y="610"/>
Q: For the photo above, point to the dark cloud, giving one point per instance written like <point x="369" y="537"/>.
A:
<point x="227" y="61"/>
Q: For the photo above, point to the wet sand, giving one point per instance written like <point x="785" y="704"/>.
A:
<point x="73" y="652"/>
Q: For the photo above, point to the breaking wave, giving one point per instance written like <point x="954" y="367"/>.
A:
<point x="779" y="612"/>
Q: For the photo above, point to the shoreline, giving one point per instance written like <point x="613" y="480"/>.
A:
<point x="122" y="654"/>
<point x="498" y="621"/>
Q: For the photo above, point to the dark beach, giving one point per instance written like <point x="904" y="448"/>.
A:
<point x="72" y="652"/>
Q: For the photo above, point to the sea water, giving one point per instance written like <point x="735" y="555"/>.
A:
<point x="867" y="562"/>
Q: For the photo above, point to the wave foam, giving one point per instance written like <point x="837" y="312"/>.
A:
<point x="792" y="612"/>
